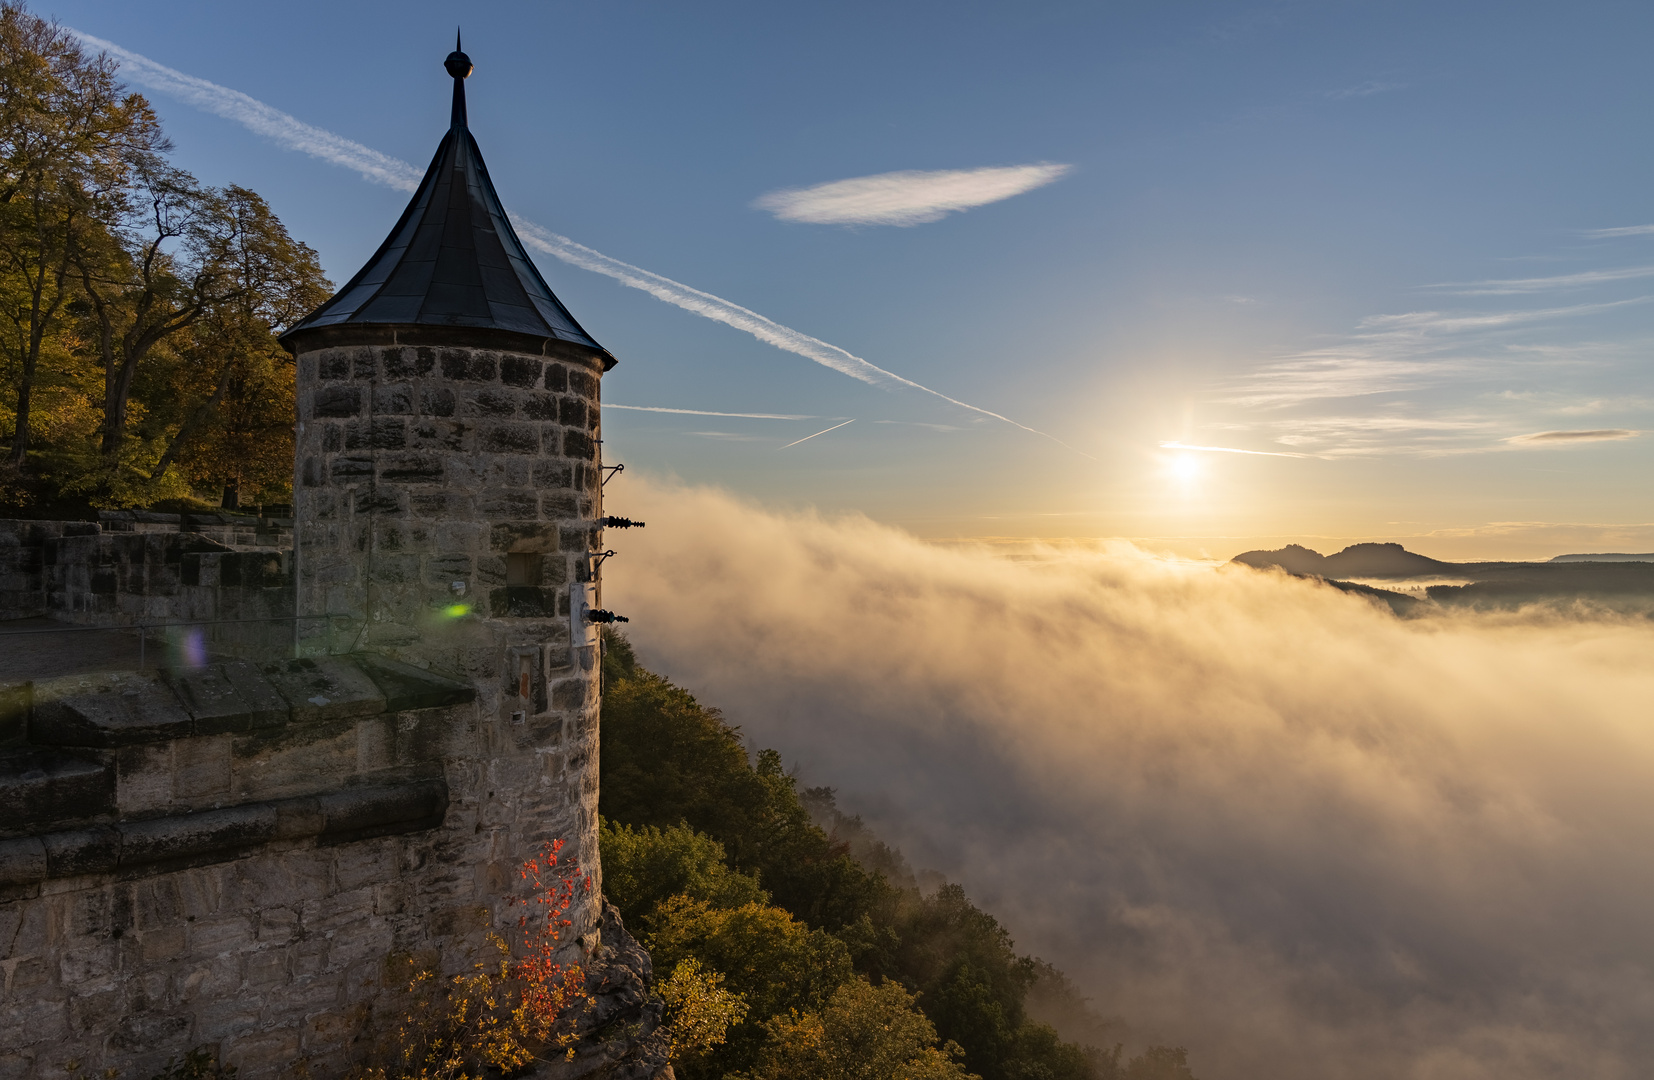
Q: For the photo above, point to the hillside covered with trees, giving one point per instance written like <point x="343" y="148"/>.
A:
<point x="138" y="307"/>
<point x="827" y="959"/>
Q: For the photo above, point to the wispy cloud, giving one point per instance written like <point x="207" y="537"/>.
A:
<point x="702" y="412"/>
<point x="1518" y="286"/>
<point x="1366" y="89"/>
<point x="906" y="198"/>
<point x="1390" y="354"/>
<point x="291" y="133"/>
<point x="1617" y="231"/>
<point x="823" y="431"/>
<point x="1552" y="438"/>
<point x="1230" y="450"/>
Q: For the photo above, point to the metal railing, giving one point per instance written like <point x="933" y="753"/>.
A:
<point x="143" y="628"/>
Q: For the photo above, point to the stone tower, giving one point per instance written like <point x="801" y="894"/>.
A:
<point x="447" y="488"/>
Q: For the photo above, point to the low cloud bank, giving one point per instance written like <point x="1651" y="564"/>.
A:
<point x="1248" y="814"/>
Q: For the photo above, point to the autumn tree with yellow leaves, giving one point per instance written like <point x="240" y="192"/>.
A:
<point x="138" y="307"/>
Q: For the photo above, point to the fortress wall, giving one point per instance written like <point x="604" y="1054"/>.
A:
<point x="227" y="856"/>
<point x="108" y="574"/>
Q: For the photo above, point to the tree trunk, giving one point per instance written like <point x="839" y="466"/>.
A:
<point x="193" y="424"/>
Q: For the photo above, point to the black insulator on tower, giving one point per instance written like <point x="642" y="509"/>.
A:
<point x="619" y="523"/>
<point x="600" y="616"/>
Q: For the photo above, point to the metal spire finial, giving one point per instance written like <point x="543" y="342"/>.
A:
<point x="459" y="66"/>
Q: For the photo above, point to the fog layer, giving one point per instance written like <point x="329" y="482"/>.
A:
<point x="1248" y="814"/>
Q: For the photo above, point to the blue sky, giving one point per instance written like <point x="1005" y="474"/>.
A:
<point x="1364" y="242"/>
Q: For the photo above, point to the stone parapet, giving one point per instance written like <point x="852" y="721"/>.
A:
<point x="100" y="574"/>
<point x="226" y="856"/>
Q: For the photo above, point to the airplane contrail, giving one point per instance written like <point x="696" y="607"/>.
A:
<point x="292" y="133"/>
<point x="823" y="431"/>
<point x="703" y="412"/>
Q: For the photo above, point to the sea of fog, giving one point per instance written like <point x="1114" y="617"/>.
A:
<point x="1248" y="814"/>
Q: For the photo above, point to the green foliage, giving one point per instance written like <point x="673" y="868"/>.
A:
<point x="772" y="960"/>
<point x="667" y="760"/>
<point x="680" y="794"/>
<point x="699" y="1011"/>
<point x="644" y="865"/>
<point x="865" y="1032"/>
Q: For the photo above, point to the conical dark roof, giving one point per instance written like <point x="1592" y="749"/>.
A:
<point x="453" y="259"/>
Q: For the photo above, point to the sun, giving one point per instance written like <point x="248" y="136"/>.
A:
<point x="1184" y="469"/>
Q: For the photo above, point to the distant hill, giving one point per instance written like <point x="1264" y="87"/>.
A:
<point x="1618" y="580"/>
<point x="1357" y="560"/>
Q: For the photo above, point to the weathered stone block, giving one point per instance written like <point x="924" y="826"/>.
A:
<point x="379" y="433"/>
<point x="436" y="401"/>
<point x="323" y="688"/>
<point x="492" y="402"/>
<point x="187" y="835"/>
<point x="105" y="710"/>
<point x="45" y="786"/>
<point x="337" y="401"/>
<point x="509" y="504"/>
<point x="347" y="469"/>
<point x="509" y="438"/>
<point x="393" y="400"/>
<point x="523" y="371"/>
<point x="424" y="468"/>
<point x="230" y="697"/>
<point x="557" y="378"/>
<point x="467" y="365"/>
<point x="407" y="687"/>
<point x="526" y="536"/>
<point x="408" y="362"/>
<point x="540" y="407"/>
<point x="333" y="364"/>
<point x="201" y="768"/>
<point x="379" y="501"/>
<point x="578" y="444"/>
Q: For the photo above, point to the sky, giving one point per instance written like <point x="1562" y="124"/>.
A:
<point x="1210" y="276"/>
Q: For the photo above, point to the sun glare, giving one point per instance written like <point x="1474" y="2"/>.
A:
<point x="1184" y="470"/>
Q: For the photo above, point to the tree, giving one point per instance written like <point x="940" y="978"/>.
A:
<point x="68" y="131"/>
<point x="644" y="866"/>
<point x="865" y="1032"/>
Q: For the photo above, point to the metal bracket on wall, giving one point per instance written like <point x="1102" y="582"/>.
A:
<point x="611" y="470"/>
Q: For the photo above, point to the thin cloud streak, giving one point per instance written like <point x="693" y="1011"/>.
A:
<point x="289" y="132"/>
<point x="703" y="412"/>
<point x="906" y="198"/>
<point x="1622" y="230"/>
<point x="1541" y="438"/>
<point x="1366" y="89"/>
<point x="1519" y="286"/>
<point x="1230" y="450"/>
<point x="823" y="431"/>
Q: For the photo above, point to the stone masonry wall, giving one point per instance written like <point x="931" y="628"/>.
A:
<point x="108" y="574"/>
<point x="191" y="858"/>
